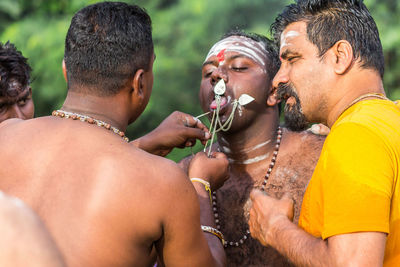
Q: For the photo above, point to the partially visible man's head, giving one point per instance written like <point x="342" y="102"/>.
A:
<point x="15" y="91"/>
<point x="247" y="63"/>
<point x="270" y="51"/>
<point x="105" y="45"/>
<point x="329" y="21"/>
<point x="305" y="31"/>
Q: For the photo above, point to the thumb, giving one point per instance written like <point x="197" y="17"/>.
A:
<point x="255" y="193"/>
<point x="219" y="155"/>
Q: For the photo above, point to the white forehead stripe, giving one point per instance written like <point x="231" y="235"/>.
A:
<point x="286" y="36"/>
<point x="243" y="45"/>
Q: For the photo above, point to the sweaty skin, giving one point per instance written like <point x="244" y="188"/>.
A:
<point x="24" y="239"/>
<point x="97" y="205"/>
<point x="249" y="145"/>
<point x="295" y="163"/>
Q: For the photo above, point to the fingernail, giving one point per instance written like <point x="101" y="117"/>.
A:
<point x="207" y="135"/>
<point x="315" y="128"/>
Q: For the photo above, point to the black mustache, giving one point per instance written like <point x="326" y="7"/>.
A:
<point x="285" y="90"/>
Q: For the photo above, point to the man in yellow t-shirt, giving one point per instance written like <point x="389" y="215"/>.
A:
<point x="331" y="72"/>
<point x="357" y="176"/>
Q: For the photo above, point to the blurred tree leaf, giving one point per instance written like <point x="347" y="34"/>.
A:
<point x="183" y="33"/>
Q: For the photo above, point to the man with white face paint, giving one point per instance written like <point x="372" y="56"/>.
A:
<point x="331" y="72"/>
<point x="261" y="154"/>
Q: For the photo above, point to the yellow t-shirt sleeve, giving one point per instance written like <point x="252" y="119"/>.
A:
<point x="358" y="188"/>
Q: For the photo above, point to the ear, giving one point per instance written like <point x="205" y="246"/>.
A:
<point x="138" y="84"/>
<point x="343" y="56"/>
<point x="272" y="99"/>
<point x="64" y="70"/>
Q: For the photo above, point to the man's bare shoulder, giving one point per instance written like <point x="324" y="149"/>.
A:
<point x="304" y="142"/>
<point x="8" y="123"/>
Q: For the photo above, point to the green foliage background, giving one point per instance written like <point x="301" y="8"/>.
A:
<point x="183" y="32"/>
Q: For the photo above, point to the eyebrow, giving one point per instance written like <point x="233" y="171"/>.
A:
<point x="16" y="99"/>
<point x="209" y="62"/>
<point x="229" y="58"/>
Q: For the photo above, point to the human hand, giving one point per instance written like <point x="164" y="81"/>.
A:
<point x="177" y="130"/>
<point x="320" y="129"/>
<point x="214" y="170"/>
<point x="265" y="212"/>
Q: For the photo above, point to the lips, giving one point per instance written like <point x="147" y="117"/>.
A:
<point x="213" y="104"/>
<point x="225" y="105"/>
<point x="290" y="100"/>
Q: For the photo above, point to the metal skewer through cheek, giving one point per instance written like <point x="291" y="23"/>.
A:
<point x="215" y="121"/>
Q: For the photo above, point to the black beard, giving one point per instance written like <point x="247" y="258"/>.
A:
<point x="294" y="117"/>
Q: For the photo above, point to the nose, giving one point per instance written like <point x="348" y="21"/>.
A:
<point x="218" y="74"/>
<point x="281" y="76"/>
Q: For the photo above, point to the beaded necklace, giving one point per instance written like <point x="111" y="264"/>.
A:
<point x="90" y="120"/>
<point x="266" y="177"/>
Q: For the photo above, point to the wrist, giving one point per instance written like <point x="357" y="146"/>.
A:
<point x="146" y="143"/>
<point x="205" y="190"/>
<point x="276" y="225"/>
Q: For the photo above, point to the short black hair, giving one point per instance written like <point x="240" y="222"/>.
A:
<point x="329" y="21"/>
<point x="14" y="68"/>
<point x="274" y="63"/>
<point x="105" y="45"/>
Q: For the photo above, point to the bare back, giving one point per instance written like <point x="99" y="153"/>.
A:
<point x="103" y="200"/>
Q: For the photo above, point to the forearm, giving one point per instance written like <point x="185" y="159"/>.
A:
<point x="298" y="246"/>
<point x="148" y="144"/>
<point x="207" y="219"/>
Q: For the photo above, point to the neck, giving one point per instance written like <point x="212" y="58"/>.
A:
<point x="365" y="82"/>
<point x="254" y="144"/>
<point x="108" y="109"/>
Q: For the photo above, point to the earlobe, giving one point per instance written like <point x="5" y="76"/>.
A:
<point x="343" y="52"/>
<point x="64" y="70"/>
<point x="272" y="99"/>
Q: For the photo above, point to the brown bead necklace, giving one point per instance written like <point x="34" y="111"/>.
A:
<point x="90" y="120"/>
<point x="266" y="177"/>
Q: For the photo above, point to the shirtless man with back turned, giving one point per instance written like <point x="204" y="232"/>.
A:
<point x="247" y="63"/>
<point x="106" y="202"/>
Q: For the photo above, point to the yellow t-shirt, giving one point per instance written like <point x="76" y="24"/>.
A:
<point x="355" y="186"/>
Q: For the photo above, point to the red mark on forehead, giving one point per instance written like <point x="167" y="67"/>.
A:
<point x="221" y="55"/>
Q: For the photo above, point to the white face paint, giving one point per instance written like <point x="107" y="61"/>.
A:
<point x="243" y="45"/>
<point x="285" y="38"/>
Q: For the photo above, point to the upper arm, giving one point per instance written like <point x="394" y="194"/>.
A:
<point x="184" y="163"/>
<point x="358" y="184"/>
<point x="357" y="249"/>
<point x="183" y="243"/>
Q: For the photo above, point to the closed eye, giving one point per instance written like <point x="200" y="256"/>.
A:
<point x="207" y="74"/>
<point x="292" y="59"/>
<point x="239" y="68"/>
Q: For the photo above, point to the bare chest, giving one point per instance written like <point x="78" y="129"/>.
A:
<point x="233" y="207"/>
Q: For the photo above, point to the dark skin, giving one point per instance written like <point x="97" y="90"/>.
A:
<point x="24" y="239"/>
<point x="297" y="157"/>
<point x="92" y="192"/>
<point x="18" y="106"/>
